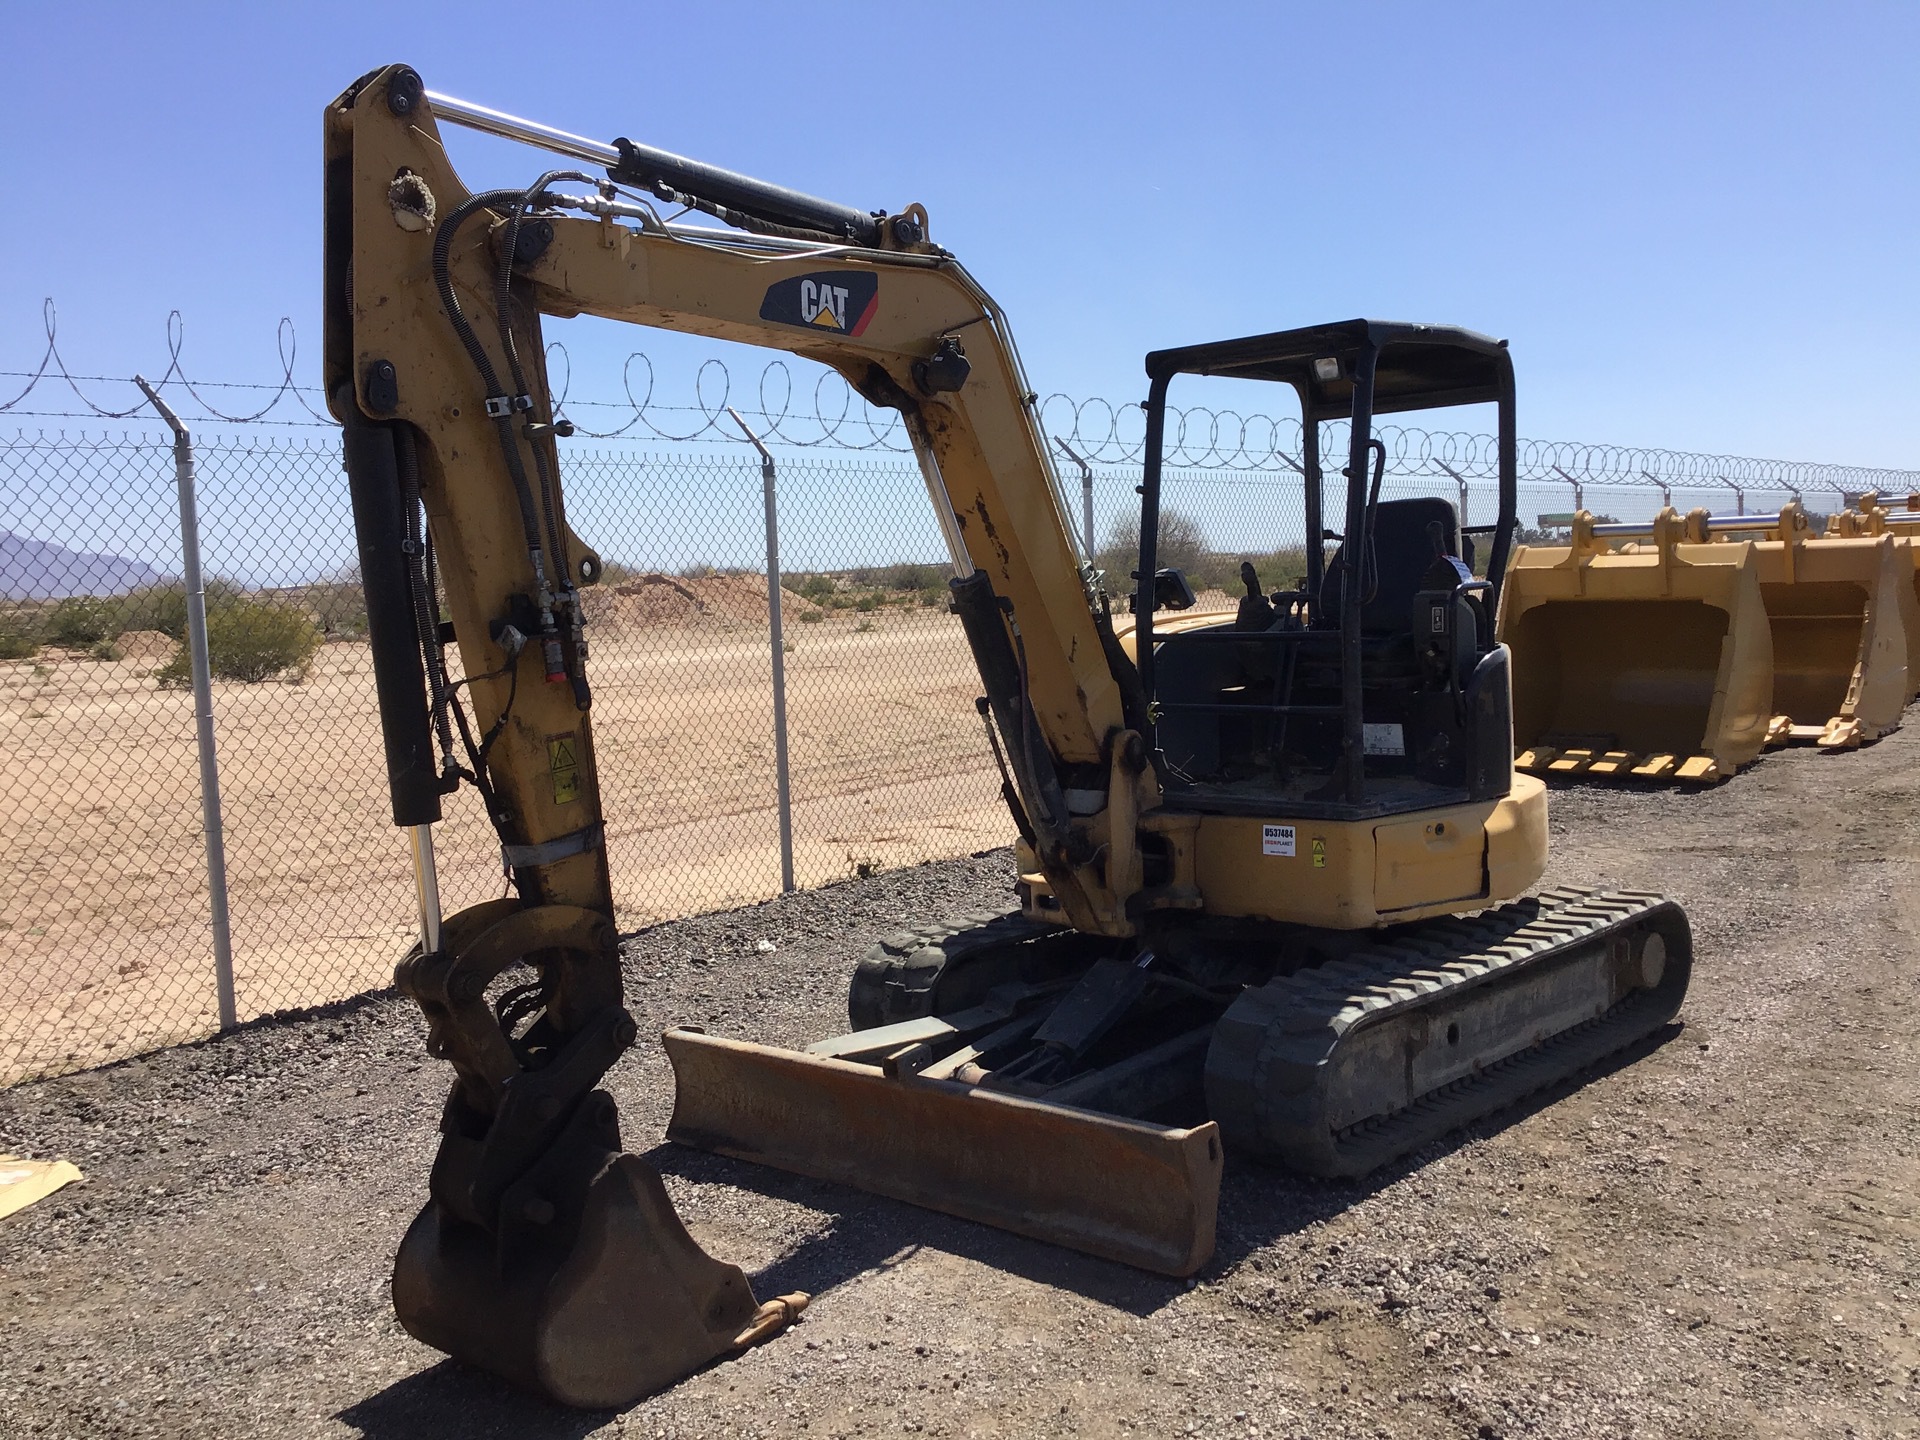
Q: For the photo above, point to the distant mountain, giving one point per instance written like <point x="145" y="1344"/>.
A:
<point x="36" y="570"/>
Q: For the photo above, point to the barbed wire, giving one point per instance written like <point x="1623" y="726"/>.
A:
<point x="52" y="370"/>
<point x="834" y="417"/>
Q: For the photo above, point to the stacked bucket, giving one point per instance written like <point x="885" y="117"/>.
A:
<point x="1679" y="648"/>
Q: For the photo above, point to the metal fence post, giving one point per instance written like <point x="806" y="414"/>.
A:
<point x="782" y="783"/>
<point x="202" y="705"/>
<point x="1461" y="481"/>
<point x="1086" y="493"/>
<point x="1579" y="490"/>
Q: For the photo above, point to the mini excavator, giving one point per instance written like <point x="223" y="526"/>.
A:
<point x="1268" y="863"/>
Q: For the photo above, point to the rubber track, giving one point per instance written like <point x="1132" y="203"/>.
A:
<point x="896" y="977"/>
<point x="1268" y="1066"/>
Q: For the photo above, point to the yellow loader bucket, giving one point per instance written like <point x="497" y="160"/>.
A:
<point x="1904" y="527"/>
<point x="1841" y="609"/>
<point x="1654" y="661"/>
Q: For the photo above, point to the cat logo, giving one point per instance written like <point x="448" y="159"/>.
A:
<point x="840" y="302"/>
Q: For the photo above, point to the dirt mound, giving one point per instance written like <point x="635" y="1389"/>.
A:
<point x="713" y="601"/>
<point x="146" y="646"/>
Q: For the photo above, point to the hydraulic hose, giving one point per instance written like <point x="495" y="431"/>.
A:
<point x="500" y="408"/>
<point x="425" y="619"/>
<point x="503" y="293"/>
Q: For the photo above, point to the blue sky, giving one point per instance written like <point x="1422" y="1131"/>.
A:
<point x="1695" y="223"/>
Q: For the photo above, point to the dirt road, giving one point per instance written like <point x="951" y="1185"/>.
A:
<point x="104" y="933"/>
<point x="1717" y="1237"/>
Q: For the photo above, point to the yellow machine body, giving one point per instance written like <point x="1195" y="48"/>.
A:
<point x="1170" y="959"/>
<point x="1347" y="874"/>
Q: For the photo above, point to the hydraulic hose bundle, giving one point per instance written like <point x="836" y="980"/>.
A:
<point x="552" y="591"/>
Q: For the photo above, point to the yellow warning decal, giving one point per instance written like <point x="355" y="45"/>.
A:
<point x="563" y="761"/>
<point x="1319" y="853"/>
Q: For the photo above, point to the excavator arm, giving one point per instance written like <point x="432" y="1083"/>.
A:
<point x="546" y="1253"/>
<point x="902" y="321"/>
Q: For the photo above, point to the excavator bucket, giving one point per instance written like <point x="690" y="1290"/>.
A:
<point x="1652" y="662"/>
<point x="1144" y="1195"/>
<point x="1840" y="609"/>
<point x="619" y="1303"/>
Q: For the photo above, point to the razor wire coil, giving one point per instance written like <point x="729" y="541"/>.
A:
<point x="831" y="416"/>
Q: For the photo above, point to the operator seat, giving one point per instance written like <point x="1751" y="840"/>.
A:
<point x="1403" y="551"/>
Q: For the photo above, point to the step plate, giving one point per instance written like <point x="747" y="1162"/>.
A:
<point x="1144" y="1195"/>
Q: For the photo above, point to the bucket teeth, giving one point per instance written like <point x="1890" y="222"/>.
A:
<point x="1572" y="762"/>
<point x="1841" y="733"/>
<point x="1614" y="762"/>
<point x="1700" y="770"/>
<point x="1779" y="731"/>
<point x="1619" y="765"/>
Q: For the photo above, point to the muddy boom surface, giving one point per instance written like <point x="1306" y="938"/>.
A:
<point x="1330" y="1069"/>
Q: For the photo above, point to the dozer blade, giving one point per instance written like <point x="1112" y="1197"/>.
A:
<point x="1651" y="665"/>
<point x="1140" y="1194"/>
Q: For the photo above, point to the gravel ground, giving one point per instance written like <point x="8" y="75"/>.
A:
<point x="1716" y="1236"/>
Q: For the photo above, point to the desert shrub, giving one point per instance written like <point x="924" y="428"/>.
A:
<point x="909" y="576"/>
<point x="105" y="650"/>
<point x="811" y="617"/>
<point x="1277" y="569"/>
<point x="867" y="604"/>
<point x="815" y="587"/>
<point x="80" y="621"/>
<point x="1180" y="545"/>
<point x="340" y="607"/>
<point x="164" y="607"/>
<point x="249" y="641"/>
<point x="19" y="635"/>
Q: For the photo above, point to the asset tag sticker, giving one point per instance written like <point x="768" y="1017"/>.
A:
<point x="1383" y="740"/>
<point x="563" y="763"/>
<point x="1276" y="839"/>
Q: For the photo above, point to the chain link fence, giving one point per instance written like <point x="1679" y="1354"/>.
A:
<point x="105" y="945"/>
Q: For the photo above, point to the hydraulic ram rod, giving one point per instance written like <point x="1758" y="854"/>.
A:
<point x="644" y="166"/>
<point x="1620" y="529"/>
